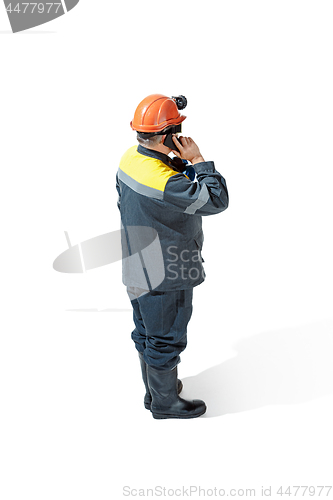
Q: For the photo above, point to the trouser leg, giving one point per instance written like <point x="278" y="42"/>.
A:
<point x="165" y="316"/>
<point x="139" y="333"/>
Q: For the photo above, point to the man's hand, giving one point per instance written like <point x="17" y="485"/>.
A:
<point x="188" y="149"/>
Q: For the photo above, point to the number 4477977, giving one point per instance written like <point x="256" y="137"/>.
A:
<point x="30" y="8"/>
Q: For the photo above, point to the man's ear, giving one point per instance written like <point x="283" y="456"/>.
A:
<point x="163" y="138"/>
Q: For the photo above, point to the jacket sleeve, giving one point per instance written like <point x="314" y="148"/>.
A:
<point x="207" y="196"/>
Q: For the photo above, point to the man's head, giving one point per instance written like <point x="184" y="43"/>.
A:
<point x="156" y="116"/>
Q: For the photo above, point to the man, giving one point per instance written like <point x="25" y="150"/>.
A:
<point x="161" y="201"/>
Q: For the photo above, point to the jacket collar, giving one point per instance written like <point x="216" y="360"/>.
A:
<point x="154" y="154"/>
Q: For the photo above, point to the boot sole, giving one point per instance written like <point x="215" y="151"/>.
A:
<point x="160" y="416"/>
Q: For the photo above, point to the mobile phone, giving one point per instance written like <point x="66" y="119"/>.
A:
<point x="169" y="143"/>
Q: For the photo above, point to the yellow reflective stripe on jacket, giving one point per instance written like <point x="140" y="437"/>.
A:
<point x="147" y="171"/>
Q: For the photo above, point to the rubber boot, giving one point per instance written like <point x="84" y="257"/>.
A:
<point x="166" y="403"/>
<point x="147" y="398"/>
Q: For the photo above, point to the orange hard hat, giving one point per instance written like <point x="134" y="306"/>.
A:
<point x="155" y="113"/>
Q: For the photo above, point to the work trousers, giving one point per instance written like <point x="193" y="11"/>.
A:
<point x="161" y="320"/>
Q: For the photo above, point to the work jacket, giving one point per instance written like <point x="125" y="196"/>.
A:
<point x="161" y="218"/>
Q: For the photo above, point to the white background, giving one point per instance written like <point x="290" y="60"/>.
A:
<point x="258" y="78"/>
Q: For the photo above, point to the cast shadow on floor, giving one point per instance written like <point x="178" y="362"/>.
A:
<point x="286" y="366"/>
